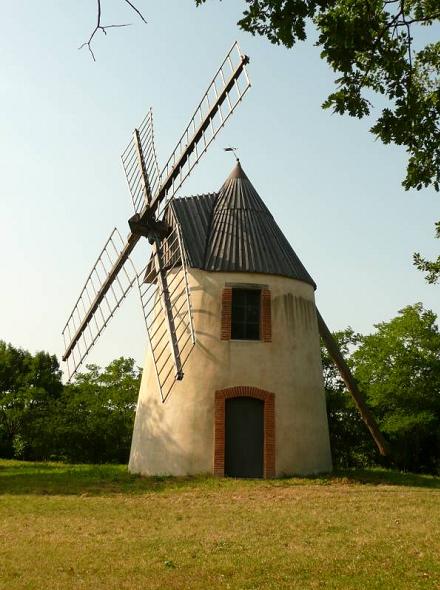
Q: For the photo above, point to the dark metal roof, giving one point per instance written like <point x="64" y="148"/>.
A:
<point x="235" y="231"/>
<point x="194" y="215"/>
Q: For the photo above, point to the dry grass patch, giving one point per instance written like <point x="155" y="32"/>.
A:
<point x="97" y="527"/>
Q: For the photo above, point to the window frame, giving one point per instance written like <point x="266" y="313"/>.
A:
<point x="265" y="323"/>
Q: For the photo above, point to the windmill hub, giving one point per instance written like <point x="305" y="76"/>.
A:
<point x="149" y="227"/>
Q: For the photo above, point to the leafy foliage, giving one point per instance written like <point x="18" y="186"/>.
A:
<point x="399" y="368"/>
<point x="98" y="413"/>
<point x="29" y="387"/>
<point x="90" y="420"/>
<point x="432" y="268"/>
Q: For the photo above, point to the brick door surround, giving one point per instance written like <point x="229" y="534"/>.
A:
<point x="269" y="426"/>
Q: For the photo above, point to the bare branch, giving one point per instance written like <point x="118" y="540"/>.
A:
<point x="137" y="11"/>
<point x="98" y="24"/>
<point x="103" y="28"/>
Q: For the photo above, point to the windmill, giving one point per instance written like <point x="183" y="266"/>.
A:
<point x="152" y="190"/>
<point x="219" y="267"/>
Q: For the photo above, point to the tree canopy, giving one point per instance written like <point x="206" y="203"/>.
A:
<point x="29" y="386"/>
<point x="430" y="267"/>
<point x="398" y="370"/>
<point x="98" y="412"/>
<point x="90" y="420"/>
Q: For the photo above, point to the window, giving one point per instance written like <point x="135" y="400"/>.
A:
<point x="246" y="312"/>
<point x="245" y="316"/>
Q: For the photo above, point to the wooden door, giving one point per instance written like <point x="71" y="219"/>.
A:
<point x="244" y="437"/>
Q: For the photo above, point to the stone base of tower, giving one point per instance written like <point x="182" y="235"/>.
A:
<point x="173" y="440"/>
<point x="185" y="435"/>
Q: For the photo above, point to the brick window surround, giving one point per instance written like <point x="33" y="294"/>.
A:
<point x="269" y="426"/>
<point x="265" y="311"/>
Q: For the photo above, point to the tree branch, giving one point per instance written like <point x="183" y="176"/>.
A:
<point x="424" y="19"/>
<point x="103" y="28"/>
<point x="395" y="24"/>
<point x="137" y="11"/>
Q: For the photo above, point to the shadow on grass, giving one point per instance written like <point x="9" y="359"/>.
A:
<point x="28" y="478"/>
<point x="389" y="477"/>
<point x="24" y="478"/>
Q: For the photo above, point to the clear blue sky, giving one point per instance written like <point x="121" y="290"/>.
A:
<point x="64" y="121"/>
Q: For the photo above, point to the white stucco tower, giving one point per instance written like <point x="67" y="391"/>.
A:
<point x="251" y="402"/>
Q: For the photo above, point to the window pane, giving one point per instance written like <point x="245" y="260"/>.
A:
<point x="245" y="314"/>
<point x="239" y="296"/>
<point x="239" y="313"/>
<point x="238" y="331"/>
<point x="253" y="314"/>
<point x="252" y="332"/>
<point x="253" y="297"/>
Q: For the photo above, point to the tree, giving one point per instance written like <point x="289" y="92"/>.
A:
<point x="399" y="368"/>
<point x="97" y="414"/>
<point x="29" y="387"/>
<point x="90" y="420"/>
<point x="370" y="44"/>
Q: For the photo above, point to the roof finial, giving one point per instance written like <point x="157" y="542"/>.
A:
<point x="233" y="150"/>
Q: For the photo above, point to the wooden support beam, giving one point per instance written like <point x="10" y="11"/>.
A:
<point x="352" y="386"/>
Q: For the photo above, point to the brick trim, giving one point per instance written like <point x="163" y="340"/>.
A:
<point x="226" y="314"/>
<point x="269" y="426"/>
<point x="266" y="316"/>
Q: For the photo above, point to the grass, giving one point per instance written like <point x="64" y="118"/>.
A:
<point x="87" y="526"/>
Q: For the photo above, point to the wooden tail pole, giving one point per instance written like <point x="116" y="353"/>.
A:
<point x="350" y="382"/>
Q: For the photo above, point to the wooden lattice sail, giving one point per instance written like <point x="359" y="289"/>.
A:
<point x="151" y="191"/>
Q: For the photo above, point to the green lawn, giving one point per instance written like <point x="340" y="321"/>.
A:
<point x="84" y="526"/>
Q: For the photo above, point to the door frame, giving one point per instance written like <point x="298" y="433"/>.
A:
<point x="269" y="426"/>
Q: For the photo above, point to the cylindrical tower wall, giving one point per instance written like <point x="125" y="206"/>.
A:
<point x="177" y="437"/>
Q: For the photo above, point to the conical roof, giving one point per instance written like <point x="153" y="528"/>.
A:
<point x="234" y="231"/>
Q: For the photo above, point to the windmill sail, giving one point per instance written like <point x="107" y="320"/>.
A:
<point x="166" y="303"/>
<point x="79" y="335"/>
<point x="151" y="192"/>
<point x="225" y="92"/>
<point x="140" y="164"/>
